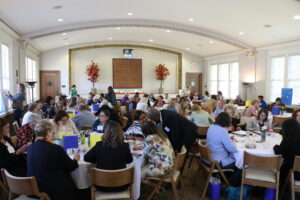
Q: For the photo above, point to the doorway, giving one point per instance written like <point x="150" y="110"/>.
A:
<point x="194" y="81"/>
<point x="50" y="83"/>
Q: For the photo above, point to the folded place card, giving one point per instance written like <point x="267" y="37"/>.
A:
<point x="94" y="138"/>
<point x="61" y="135"/>
<point x="276" y="110"/>
<point x="95" y="107"/>
<point x="70" y="141"/>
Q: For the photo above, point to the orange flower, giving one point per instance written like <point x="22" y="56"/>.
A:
<point x="92" y="72"/>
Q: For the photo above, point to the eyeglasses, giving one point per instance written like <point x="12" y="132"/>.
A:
<point x="102" y="115"/>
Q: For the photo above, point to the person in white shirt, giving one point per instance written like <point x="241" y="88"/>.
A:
<point x="33" y="109"/>
<point x="167" y="99"/>
<point x="200" y="117"/>
<point x="142" y="104"/>
<point x="105" y="102"/>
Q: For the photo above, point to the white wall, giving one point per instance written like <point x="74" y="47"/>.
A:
<point x="57" y="59"/>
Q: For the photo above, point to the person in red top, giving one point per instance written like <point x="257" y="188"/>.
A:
<point x="25" y="133"/>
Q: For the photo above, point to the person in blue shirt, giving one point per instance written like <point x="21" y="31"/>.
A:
<point x="263" y="104"/>
<point x="101" y="123"/>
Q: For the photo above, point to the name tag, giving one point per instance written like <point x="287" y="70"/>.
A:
<point x="167" y="129"/>
<point x="100" y="128"/>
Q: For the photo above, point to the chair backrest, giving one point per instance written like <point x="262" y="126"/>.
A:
<point x="180" y="158"/>
<point x="202" y="130"/>
<point x="124" y="121"/>
<point x="123" y="110"/>
<point x="112" y="178"/>
<point x="20" y="185"/>
<point x="15" y="126"/>
<point x="279" y="120"/>
<point x="296" y="167"/>
<point x="262" y="162"/>
<point x="204" y="152"/>
<point x="132" y="113"/>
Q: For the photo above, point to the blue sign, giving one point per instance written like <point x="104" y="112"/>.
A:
<point x="287" y="96"/>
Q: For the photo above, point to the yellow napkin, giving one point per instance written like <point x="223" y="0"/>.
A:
<point x="71" y="115"/>
<point x="61" y="135"/>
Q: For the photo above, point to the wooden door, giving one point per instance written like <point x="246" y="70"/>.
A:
<point x="194" y="81"/>
<point x="49" y="83"/>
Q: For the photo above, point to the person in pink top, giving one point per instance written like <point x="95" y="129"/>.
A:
<point x="252" y="110"/>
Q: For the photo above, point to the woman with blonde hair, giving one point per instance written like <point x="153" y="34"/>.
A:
<point x="200" y="117"/>
<point x="230" y="110"/>
<point x="252" y="110"/>
<point x="111" y="153"/>
<point x="182" y="108"/>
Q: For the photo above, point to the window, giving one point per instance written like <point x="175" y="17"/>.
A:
<point x="285" y="73"/>
<point x="5" y="73"/>
<point x="31" y="75"/>
<point x="225" y="77"/>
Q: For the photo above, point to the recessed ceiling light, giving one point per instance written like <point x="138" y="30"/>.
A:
<point x="191" y="19"/>
<point x="130" y="13"/>
<point x="67" y="43"/>
<point x="168" y="31"/>
<point x="60" y="20"/>
<point x="297" y="17"/>
<point x="267" y="26"/>
<point x="64" y="34"/>
<point x="187" y="48"/>
<point x="151" y="40"/>
<point x="57" y="7"/>
<point x="211" y="42"/>
<point x="118" y="28"/>
<point x="110" y="38"/>
<point x="241" y="33"/>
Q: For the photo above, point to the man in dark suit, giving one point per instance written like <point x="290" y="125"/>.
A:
<point x="179" y="129"/>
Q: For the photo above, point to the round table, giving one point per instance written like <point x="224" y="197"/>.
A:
<point x="262" y="149"/>
<point x="285" y="115"/>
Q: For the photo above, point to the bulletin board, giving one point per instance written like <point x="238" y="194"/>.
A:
<point x="127" y="73"/>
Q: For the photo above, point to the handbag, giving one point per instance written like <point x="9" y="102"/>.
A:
<point x="17" y="105"/>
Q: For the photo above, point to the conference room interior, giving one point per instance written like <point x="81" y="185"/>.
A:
<point x="149" y="99"/>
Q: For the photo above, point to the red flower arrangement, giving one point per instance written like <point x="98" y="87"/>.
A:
<point x="92" y="72"/>
<point x="161" y="73"/>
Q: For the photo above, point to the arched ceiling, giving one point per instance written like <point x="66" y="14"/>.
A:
<point x="215" y="28"/>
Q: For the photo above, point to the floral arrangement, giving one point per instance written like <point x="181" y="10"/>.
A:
<point x="92" y="72"/>
<point x="161" y="73"/>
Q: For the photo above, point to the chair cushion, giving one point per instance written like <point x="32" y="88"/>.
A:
<point x="260" y="175"/>
<point x="112" y="195"/>
<point x="168" y="179"/>
<point x="24" y="197"/>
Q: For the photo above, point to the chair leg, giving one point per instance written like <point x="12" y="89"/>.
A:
<point x="155" y="190"/>
<point x="223" y="175"/>
<point x="206" y="185"/>
<point x="11" y="196"/>
<point x="292" y="192"/>
<point x="174" y="190"/>
<point x="193" y="156"/>
<point x="277" y="192"/>
<point x="241" y="192"/>
<point x="185" y="159"/>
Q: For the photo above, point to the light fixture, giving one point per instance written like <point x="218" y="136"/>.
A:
<point x="241" y="33"/>
<point x="168" y="31"/>
<point x="110" y="38"/>
<point x="57" y="7"/>
<point x="127" y="53"/>
<point x="191" y="19"/>
<point x="297" y="17"/>
<point x="187" y="48"/>
<point x="130" y="14"/>
<point x="64" y="34"/>
<point x="150" y="40"/>
<point x="118" y="28"/>
<point x="60" y="20"/>
<point x="211" y="42"/>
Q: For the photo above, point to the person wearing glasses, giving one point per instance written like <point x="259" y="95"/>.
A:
<point x="101" y="123"/>
<point x="62" y="124"/>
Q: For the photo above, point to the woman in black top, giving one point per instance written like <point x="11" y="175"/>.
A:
<point x="111" y="153"/>
<point x="50" y="164"/>
<point x="10" y="159"/>
<point x="288" y="148"/>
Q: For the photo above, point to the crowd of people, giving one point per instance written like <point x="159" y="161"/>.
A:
<point x="163" y="125"/>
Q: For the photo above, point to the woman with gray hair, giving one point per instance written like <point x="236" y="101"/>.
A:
<point x="50" y="164"/>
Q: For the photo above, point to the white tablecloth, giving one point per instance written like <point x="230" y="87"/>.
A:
<point x="81" y="175"/>
<point x="262" y="149"/>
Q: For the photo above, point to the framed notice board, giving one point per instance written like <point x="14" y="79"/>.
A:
<point x="127" y="73"/>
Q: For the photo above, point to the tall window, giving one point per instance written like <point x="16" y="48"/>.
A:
<point x="31" y="75"/>
<point x="5" y="73"/>
<point x="225" y="77"/>
<point x="285" y="73"/>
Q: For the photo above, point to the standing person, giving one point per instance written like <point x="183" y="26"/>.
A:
<point x="73" y="91"/>
<point x="262" y="102"/>
<point x="17" y="101"/>
<point x="111" y="96"/>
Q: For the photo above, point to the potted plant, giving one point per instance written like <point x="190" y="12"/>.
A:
<point x="92" y="72"/>
<point x="161" y="73"/>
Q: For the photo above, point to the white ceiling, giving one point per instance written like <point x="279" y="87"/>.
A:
<point x="89" y="21"/>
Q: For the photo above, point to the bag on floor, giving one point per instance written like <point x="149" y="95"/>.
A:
<point x="214" y="188"/>
<point x="233" y="193"/>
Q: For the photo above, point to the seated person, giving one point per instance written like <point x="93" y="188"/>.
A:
<point x="200" y="117"/>
<point x="25" y="133"/>
<point x="260" y="121"/>
<point x="205" y="107"/>
<point x="114" y="115"/>
<point x="33" y="109"/>
<point x="159" y="102"/>
<point x="296" y="116"/>
<point x="48" y="108"/>
<point x="72" y="107"/>
<point x="219" y="108"/>
<point x="230" y="110"/>
<point x="11" y="159"/>
<point x="105" y="102"/>
<point x="125" y="99"/>
<point x="158" y="151"/>
<point x="288" y="148"/>
<point x="89" y="100"/>
<point x="134" y="132"/>
<point x="62" y="124"/>
<point x="183" y="107"/>
<point x="252" y="110"/>
<point x="50" y="164"/>
<point x="133" y="103"/>
<point x="84" y="118"/>
<point x="111" y="153"/>
<point x="142" y="104"/>
<point x="239" y="101"/>
<point x="262" y="102"/>
<point x="101" y="123"/>
<point x="172" y="106"/>
<point x="277" y="102"/>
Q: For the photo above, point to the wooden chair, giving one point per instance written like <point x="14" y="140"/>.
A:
<point x="295" y="184"/>
<point x="22" y="186"/>
<point x="112" y="178"/>
<point x="86" y="128"/>
<point x="124" y="122"/>
<point x="15" y="126"/>
<point x="261" y="171"/>
<point x="172" y="176"/>
<point x="132" y="114"/>
<point x="210" y="167"/>
<point x="202" y="132"/>
<point x="123" y="110"/>
<point x="277" y="122"/>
